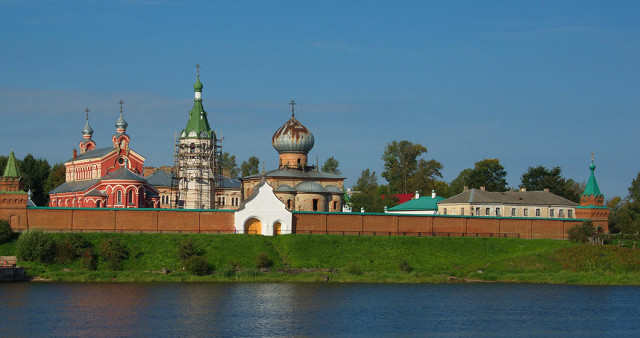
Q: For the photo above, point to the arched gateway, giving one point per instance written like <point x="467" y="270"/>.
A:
<point x="253" y="227"/>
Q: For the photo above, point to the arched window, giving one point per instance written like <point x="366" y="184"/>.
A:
<point x="130" y="197"/>
<point x="119" y="197"/>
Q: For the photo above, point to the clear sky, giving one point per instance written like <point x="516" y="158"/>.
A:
<point x="528" y="82"/>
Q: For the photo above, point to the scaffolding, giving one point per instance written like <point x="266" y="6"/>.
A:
<point x="197" y="173"/>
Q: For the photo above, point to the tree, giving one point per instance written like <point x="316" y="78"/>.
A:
<point x="457" y="185"/>
<point x="405" y="172"/>
<point x="624" y="213"/>
<point x="331" y="166"/>
<point x="56" y="177"/>
<point x="368" y="194"/>
<point x="228" y="165"/>
<point x="488" y="173"/>
<point x="367" y="182"/>
<point x="250" y="166"/>
<point x="35" y="173"/>
<point x="540" y="178"/>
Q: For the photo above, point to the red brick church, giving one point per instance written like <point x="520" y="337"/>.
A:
<point x="105" y="177"/>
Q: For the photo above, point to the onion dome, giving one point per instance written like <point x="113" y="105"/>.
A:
<point x="87" y="131"/>
<point x="293" y="137"/>
<point x="198" y="85"/>
<point x="121" y="123"/>
<point x="310" y="187"/>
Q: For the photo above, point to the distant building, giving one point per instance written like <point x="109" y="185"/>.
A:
<point x="105" y="177"/>
<point x="12" y="194"/>
<point x="592" y="204"/>
<point x="478" y="202"/>
<point x="420" y="205"/>
<point x="300" y="186"/>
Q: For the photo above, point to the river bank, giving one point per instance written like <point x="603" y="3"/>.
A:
<point x="320" y="258"/>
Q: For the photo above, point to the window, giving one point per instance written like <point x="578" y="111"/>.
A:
<point x="525" y="212"/>
<point x="538" y="212"/>
<point x="561" y="213"/>
<point x="288" y="204"/>
<point x="497" y="211"/>
<point x="119" y="197"/>
<point x="130" y="197"/>
<point x="462" y="211"/>
<point x="444" y="211"/>
<point x="477" y="211"/>
<point x="487" y="211"/>
<point x="570" y="213"/>
<point x="315" y="204"/>
<point x="335" y="205"/>
<point x="513" y="211"/>
<point x="551" y="212"/>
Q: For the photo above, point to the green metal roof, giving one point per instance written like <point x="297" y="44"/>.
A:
<point x="422" y="203"/>
<point x="11" y="170"/>
<point x="198" y="124"/>
<point x="592" y="188"/>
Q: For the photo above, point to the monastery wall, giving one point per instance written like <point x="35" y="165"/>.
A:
<point x="201" y="221"/>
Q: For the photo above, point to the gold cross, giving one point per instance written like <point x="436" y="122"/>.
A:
<point x="87" y="111"/>
<point x="198" y="67"/>
<point x="121" y="103"/>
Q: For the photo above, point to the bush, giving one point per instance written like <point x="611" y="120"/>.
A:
<point x="581" y="233"/>
<point x="5" y="232"/>
<point x="64" y="251"/>
<point x="353" y="268"/>
<point x="36" y="245"/>
<point x="405" y="267"/>
<point x="250" y="272"/>
<point x="231" y="269"/>
<point x="89" y="260"/>
<point x="113" y="253"/>
<point x="197" y="265"/>
<point x="187" y="249"/>
<point x="79" y="244"/>
<point x="263" y="261"/>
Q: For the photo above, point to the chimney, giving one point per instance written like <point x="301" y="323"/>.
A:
<point x="75" y="153"/>
<point x="385" y="209"/>
<point x="433" y="194"/>
<point x="465" y="188"/>
<point x="417" y="194"/>
<point x="361" y="209"/>
<point x="546" y="189"/>
<point x="523" y="189"/>
<point x="483" y="188"/>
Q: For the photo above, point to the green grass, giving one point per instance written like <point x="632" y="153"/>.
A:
<point x="313" y="258"/>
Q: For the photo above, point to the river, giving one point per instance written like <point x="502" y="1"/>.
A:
<point x="276" y="309"/>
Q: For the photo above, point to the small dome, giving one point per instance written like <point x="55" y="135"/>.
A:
<point x="293" y="137"/>
<point x="87" y="129"/>
<point x="284" y="188"/>
<point x="309" y="186"/>
<point x="592" y="166"/>
<point x="121" y="123"/>
<point x="333" y="189"/>
<point x="198" y="85"/>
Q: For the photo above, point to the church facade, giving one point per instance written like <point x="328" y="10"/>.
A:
<point x="300" y="186"/>
<point x="105" y="177"/>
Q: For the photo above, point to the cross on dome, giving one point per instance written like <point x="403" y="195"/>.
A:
<point x="292" y="103"/>
<point x="198" y="70"/>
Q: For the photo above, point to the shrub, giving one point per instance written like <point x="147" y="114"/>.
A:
<point x="64" y="251"/>
<point x="79" y="244"/>
<point x="36" y="245"/>
<point x="89" y="260"/>
<point x="187" y="249"/>
<point x="353" y="268"/>
<point x="251" y="272"/>
<point x="263" y="261"/>
<point x="197" y="265"/>
<point x="581" y="233"/>
<point x="231" y="269"/>
<point x="113" y="253"/>
<point x="405" y="267"/>
<point x="5" y="232"/>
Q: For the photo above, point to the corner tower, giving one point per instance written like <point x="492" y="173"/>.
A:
<point x="592" y="203"/>
<point x="196" y="154"/>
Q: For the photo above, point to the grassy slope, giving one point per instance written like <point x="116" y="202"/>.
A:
<point x="433" y="259"/>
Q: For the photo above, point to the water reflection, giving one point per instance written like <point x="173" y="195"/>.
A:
<point x="130" y="309"/>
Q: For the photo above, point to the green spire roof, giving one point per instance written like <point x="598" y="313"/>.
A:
<point x="11" y="170"/>
<point x="592" y="186"/>
<point x="198" y="85"/>
<point x="198" y="124"/>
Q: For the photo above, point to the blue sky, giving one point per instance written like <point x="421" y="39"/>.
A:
<point x="529" y="83"/>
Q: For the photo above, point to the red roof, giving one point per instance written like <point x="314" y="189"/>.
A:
<point x="402" y="198"/>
